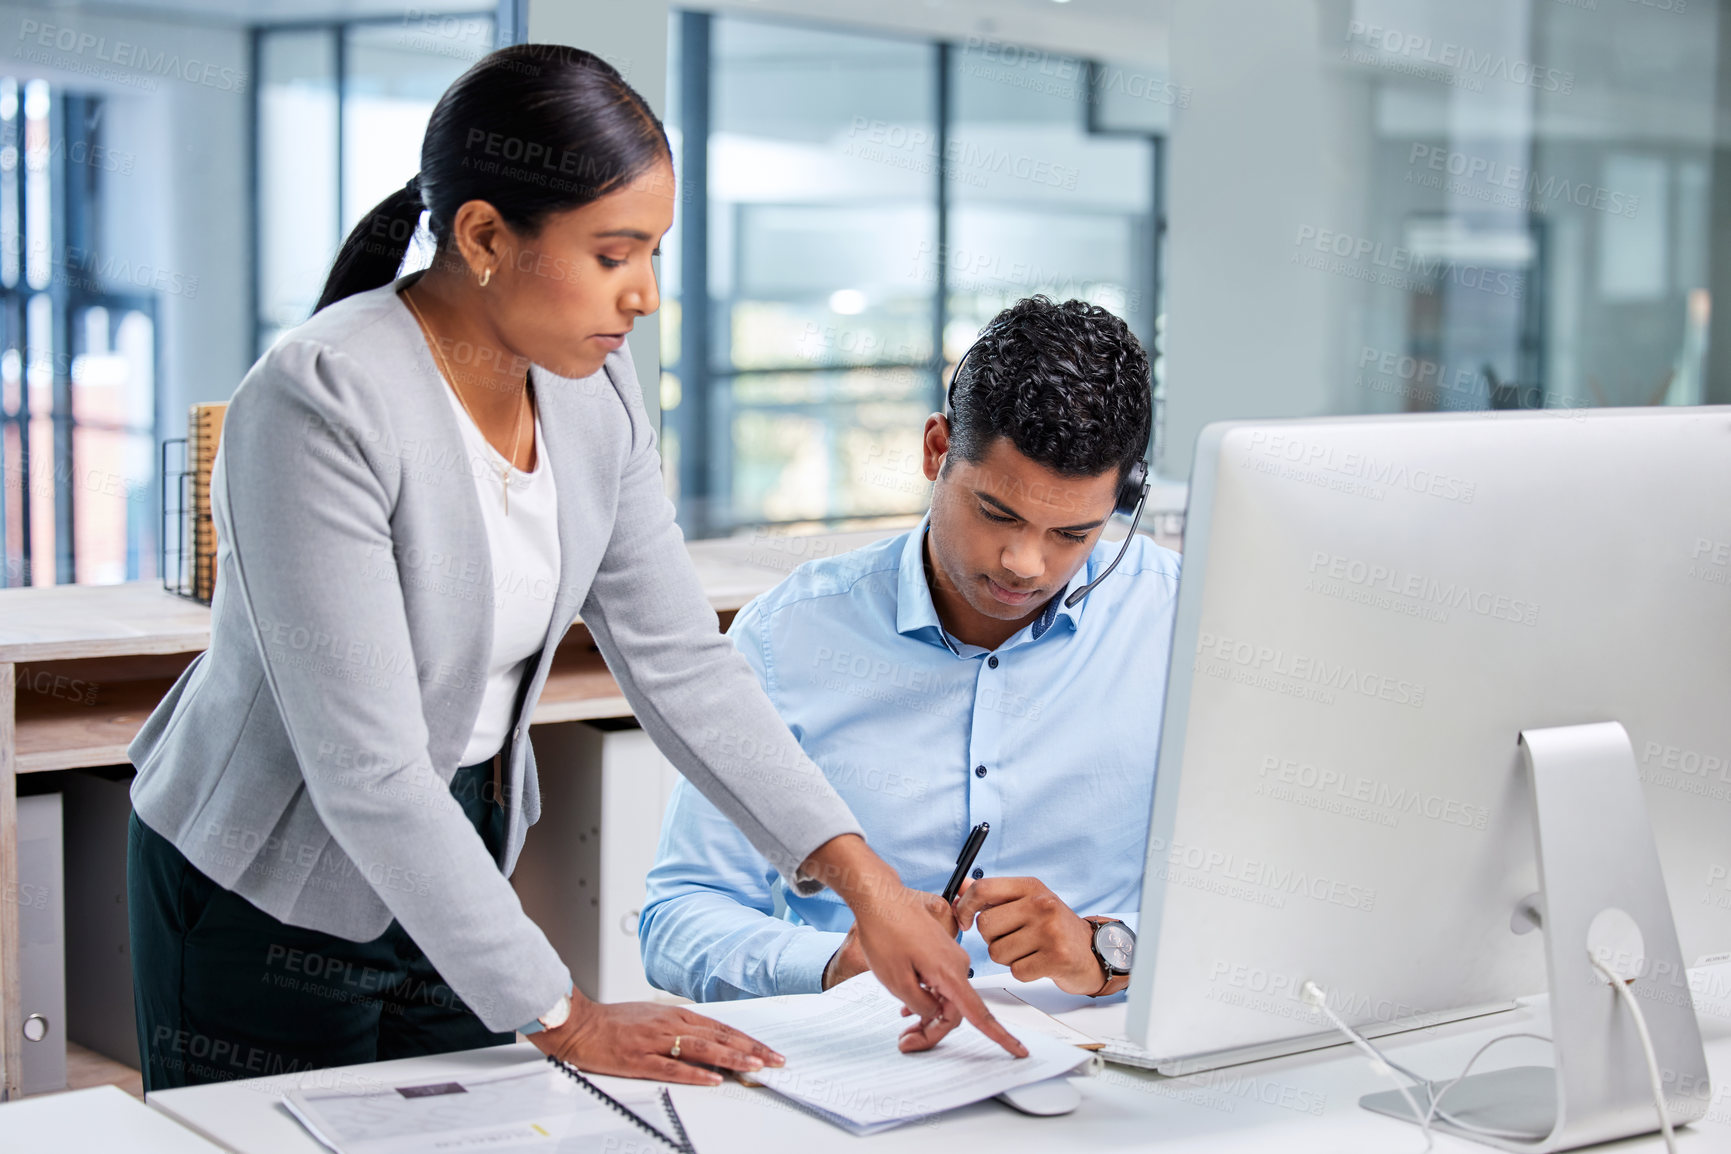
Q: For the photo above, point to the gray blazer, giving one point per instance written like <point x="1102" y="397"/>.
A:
<point x="303" y="761"/>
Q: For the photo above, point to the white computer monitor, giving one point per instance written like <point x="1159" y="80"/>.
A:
<point x="1372" y="610"/>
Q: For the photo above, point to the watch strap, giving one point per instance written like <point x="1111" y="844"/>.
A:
<point x="1114" y="984"/>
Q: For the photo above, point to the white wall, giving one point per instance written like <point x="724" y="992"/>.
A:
<point x="1260" y="152"/>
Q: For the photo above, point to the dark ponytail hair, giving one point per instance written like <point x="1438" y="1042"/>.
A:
<point x="532" y="129"/>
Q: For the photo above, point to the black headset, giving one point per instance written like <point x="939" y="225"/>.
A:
<point x="1132" y="493"/>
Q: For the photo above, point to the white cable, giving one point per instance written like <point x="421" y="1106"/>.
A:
<point x="1313" y="993"/>
<point x="1628" y="1000"/>
<point x="1490" y="1131"/>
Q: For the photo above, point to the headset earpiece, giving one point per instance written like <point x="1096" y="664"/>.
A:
<point x="1130" y="493"/>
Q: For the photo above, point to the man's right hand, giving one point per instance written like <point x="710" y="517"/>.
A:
<point x="850" y="961"/>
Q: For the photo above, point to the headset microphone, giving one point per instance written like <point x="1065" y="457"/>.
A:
<point x="1132" y="494"/>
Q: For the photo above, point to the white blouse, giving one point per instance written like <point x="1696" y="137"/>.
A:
<point x="524" y="546"/>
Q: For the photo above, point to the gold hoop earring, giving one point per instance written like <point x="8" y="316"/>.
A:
<point x="486" y="276"/>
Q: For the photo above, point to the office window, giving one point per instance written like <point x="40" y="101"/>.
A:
<point x="857" y="207"/>
<point x="298" y="154"/>
<point x="77" y="352"/>
<point x="1042" y="200"/>
<point x="341" y="111"/>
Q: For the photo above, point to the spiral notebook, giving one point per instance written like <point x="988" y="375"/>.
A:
<point x="540" y="1108"/>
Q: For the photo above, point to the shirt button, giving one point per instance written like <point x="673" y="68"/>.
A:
<point x="979" y="873"/>
<point x="992" y="661"/>
<point x="979" y="771"/>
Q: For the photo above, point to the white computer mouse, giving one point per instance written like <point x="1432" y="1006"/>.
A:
<point x="1044" y="1099"/>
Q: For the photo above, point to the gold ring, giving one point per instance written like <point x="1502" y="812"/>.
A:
<point x="675" y="1050"/>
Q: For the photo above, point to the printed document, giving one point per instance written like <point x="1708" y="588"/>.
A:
<point x="843" y="1063"/>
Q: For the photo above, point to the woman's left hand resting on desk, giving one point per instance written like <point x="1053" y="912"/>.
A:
<point x="636" y="1040"/>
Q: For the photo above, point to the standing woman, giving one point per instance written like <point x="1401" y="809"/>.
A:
<point x="417" y="492"/>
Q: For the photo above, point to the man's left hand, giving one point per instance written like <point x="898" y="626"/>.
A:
<point x="1028" y="929"/>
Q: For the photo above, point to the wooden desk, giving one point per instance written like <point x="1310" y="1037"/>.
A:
<point x="82" y="666"/>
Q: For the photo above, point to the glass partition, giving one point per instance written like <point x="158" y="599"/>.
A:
<point x="1433" y="205"/>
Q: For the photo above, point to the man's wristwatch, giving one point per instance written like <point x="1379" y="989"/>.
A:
<point x="1114" y="946"/>
<point x="556" y="1017"/>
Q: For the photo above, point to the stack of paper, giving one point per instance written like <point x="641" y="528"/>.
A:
<point x="843" y="1063"/>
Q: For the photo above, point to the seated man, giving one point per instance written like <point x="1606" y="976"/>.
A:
<point x="939" y="680"/>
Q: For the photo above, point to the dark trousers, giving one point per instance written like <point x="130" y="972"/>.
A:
<point x="223" y="990"/>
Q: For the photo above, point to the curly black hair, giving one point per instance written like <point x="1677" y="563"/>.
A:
<point x="1066" y="383"/>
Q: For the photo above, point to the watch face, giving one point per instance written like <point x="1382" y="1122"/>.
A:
<point x="1116" y="944"/>
<point x="557" y="1015"/>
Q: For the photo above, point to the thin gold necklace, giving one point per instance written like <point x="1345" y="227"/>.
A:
<point x="451" y="379"/>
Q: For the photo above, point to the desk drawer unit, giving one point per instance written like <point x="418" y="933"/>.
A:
<point x="42" y="935"/>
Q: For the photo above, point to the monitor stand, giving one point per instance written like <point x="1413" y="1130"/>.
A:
<point x="1598" y="866"/>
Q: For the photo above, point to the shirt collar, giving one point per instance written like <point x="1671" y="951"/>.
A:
<point x="1049" y="614"/>
<point x="917" y="615"/>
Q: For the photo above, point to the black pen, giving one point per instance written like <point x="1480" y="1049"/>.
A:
<point x="970" y="851"/>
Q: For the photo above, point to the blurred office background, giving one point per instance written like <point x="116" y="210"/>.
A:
<point x="1300" y="206"/>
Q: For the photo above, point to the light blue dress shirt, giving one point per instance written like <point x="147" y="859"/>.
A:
<point x="1052" y="738"/>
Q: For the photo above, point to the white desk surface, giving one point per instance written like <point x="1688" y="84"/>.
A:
<point x="1302" y="1104"/>
<point x="103" y="1118"/>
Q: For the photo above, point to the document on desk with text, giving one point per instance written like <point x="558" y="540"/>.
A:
<point x="843" y="1063"/>
<point x="537" y="1110"/>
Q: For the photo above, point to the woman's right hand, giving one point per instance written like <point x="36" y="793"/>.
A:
<point x="635" y="1040"/>
<point x="913" y="953"/>
<point x="850" y="960"/>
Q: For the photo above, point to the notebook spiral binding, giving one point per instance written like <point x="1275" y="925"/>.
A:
<point x="682" y="1144"/>
<point x="678" y="1126"/>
